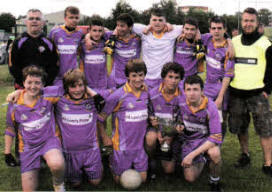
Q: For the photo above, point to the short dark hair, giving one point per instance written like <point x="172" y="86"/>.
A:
<point x="172" y="66"/>
<point x="34" y="70"/>
<point x="135" y="65"/>
<point x="71" y="9"/>
<point x="157" y="12"/>
<point x="217" y="19"/>
<point x="251" y="10"/>
<point x="126" y="18"/>
<point x="191" y="21"/>
<point x="96" y="22"/>
<point x="71" y="77"/>
<point x="194" y="79"/>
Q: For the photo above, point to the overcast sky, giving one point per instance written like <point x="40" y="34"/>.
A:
<point x="104" y="7"/>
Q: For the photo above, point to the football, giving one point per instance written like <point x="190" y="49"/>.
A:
<point x="130" y="179"/>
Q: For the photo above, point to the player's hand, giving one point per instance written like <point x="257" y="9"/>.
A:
<point x="218" y="102"/>
<point x="154" y="121"/>
<point x="147" y="29"/>
<point x="89" y="43"/>
<point x="181" y="37"/>
<point x="160" y="138"/>
<point x="187" y="161"/>
<point x="180" y="128"/>
<point x="10" y="160"/>
<point x="168" y="139"/>
<point x="169" y="27"/>
<point x="106" y="140"/>
<point x="14" y="96"/>
<point x="99" y="102"/>
<point x="265" y="95"/>
<point x="198" y="36"/>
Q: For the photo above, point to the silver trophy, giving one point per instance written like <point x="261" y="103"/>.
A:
<point x="167" y="127"/>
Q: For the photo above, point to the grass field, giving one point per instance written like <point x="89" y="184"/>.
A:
<point x="249" y="179"/>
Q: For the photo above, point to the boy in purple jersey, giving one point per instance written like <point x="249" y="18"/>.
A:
<point x="127" y="47"/>
<point x="186" y="47"/>
<point x="164" y="104"/>
<point x="67" y="39"/>
<point x="93" y="62"/>
<point x="33" y="115"/>
<point x="76" y="116"/>
<point x="219" y="67"/>
<point x="128" y="106"/>
<point x="201" y="133"/>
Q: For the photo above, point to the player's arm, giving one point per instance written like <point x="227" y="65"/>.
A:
<point x="228" y="75"/>
<point x="230" y="51"/>
<point x="268" y="72"/>
<point x="138" y="28"/>
<point x="220" y="97"/>
<point x="112" y="104"/>
<point x="9" y="135"/>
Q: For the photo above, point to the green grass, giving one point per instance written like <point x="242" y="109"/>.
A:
<point x="249" y="179"/>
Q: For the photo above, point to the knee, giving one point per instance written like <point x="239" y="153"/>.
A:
<point x="151" y="139"/>
<point x="215" y="155"/>
<point x="116" y="178"/>
<point x="189" y="178"/>
<point x="95" y="182"/>
<point x="169" y="168"/>
<point x="56" y="165"/>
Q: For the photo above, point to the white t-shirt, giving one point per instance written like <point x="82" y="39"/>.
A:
<point x="157" y="51"/>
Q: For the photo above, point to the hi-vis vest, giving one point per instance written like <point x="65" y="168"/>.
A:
<point x="250" y="64"/>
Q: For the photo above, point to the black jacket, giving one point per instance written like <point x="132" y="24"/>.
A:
<point x="39" y="51"/>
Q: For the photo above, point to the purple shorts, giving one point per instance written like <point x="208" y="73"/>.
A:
<point x="88" y="160"/>
<point x="31" y="157"/>
<point x="190" y="145"/>
<point x="124" y="160"/>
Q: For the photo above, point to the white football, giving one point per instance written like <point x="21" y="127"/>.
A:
<point x="131" y="179"/>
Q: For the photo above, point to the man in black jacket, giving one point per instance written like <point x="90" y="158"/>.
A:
<point x="250" y="88"/>
<point x="33" y="48"/>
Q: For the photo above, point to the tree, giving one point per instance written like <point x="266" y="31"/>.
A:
<point x="264" y="16"/>
<point x="202" y="18"/>
<point x="7" y="21"/>
<point x="123" y="7"/>
<point x="87" y="20"/>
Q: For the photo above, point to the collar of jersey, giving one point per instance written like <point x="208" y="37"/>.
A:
<point x="22" y="102"/>
<point x="128" y="89"/>
<point x="131" y="36"/>
<point x="223" y="44"/>
<point x="202" y="106"/>
<point x="67" y="96"/>
<point x="68" y="32"/>
<point x="159" y="35"/>
<point x="177" y="92"/>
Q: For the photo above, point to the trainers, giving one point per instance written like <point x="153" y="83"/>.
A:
<point x="216" y="187"/>
<point x="267" y="170"/>
<point x="243" y="161"/>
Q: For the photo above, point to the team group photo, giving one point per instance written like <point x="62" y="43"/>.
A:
<point x="166" y="98"/>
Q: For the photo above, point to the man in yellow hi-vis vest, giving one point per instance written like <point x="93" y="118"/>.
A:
<point x="250" y="87"/>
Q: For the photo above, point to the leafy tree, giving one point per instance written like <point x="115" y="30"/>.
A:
<point x="7" y="21"/>
<point x="264" y="16"/>
<point x="202" y="18"/>
<point x="87" y="20"/>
